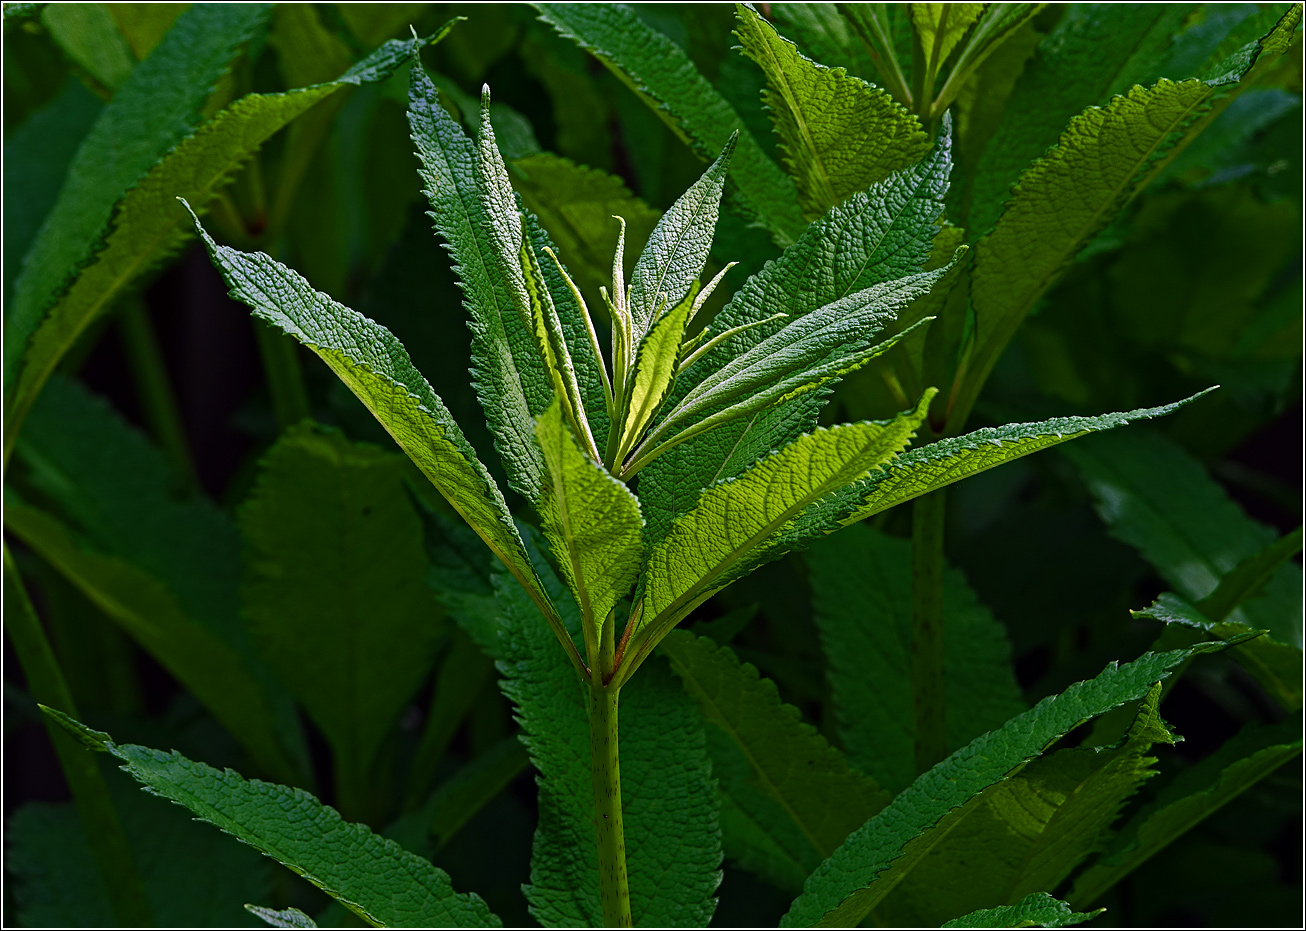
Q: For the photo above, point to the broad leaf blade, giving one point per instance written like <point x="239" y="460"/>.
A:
<point x="861" y="587"/>
<point x="660" y="72"/>
<point x="867" y="867"/>
<point x="373" y="877"/>
<point x="375" y="366"/>
<point x="673" y="847"/>
<point x="592" y="522"/>
<point x="839" y="134"/>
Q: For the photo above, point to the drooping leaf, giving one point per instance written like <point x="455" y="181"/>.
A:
<point x="873" y="237"/>
<point x="335" y="592"/>
<point x="1038" y="909"/>
<point x="152" y="111"/>
<point x="673" y="847"/>
<point x="876" y="857"/>
<point x="861" y="587"/>
<point x="373" y="364"/>
<point x="592" y="523"/>
<point x="1156" y="497"/>
<point x="374" y="878"/>
<point x="810" y="796"/>
<point x="839" y="134"/>
<point x="1028" y="832"/>
<point x="1196" y="794"/>
<point x="733" y="527"/>
<point x="148" y="225"/>
<point x="662" y="74"/>
<point x="165" y="566"/>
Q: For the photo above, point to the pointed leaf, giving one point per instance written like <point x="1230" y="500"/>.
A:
<point x="940" y="26"/>
<point x="861" y="589"/>
<point x="1038" y="909"/>
<point x="374" y="878"/>
<point x="592" y="522"/>
<point x="283" y="918"/>
<point x="656" y="365"/>
<point x="375" y="366"/>
<point x="673" y="846"/>
<point x="877" y="856"/>
<point x="839" y="134"/>
<point x="734" y="522"/>
<point x="662" y="74"/>
<point x="807" y="782"/>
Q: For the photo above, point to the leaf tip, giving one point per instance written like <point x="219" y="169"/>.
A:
<point x="87" y="737"/>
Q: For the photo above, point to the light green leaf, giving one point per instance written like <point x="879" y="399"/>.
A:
<point x="876" y="858"/>
<point x="165" y="566"/>
<point x="810" y="793"/>
<point x="283" y="918"/>
<point x="1028" y="832"/>
<point x="1156" y="497"/>
<point x="656" y="365"/>
<point x="732" y="528"/>
<point x="373" y="364"/>
<point x="152" y="111"/>
<point x="1196" y="794"/>
<point x="666" y="79"/>
<point x="1038" y="909"/>
<point x="861" y="588"/>
<point x="592" y="522"/>
<point x="89" y="36"/>
<point x="839" y="134"/>
<point x="873" y="237"/>
<point x="824" y="35"/>
<point x="673" y="846"/>
<point x="939" y="27"/>
<point x="148" y="226"/>
<point x="374" y="878"/>
<point x="673" y="259"/>
<point x="334" y="592"/>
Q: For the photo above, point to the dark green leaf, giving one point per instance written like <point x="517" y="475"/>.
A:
<point x="1038" y="910"/>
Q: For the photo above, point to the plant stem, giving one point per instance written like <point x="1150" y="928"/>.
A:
<point x="154" y="388"/>
<point x="285" y="377"/>
<point x="45" y="680"/>
<point x="929" y="705"/>
<point x="614" y="890"/>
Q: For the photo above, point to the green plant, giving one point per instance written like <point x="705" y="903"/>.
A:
<point x="662" y="467"/>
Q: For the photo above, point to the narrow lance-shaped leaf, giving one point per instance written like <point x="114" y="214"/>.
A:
<point x="375" y="366"/>
<point x="875" y="858"/>
<point x="1038" y="909"/>
<point x="659" y="71"/>
<point x="147" y="225"/>
<point x="721" y="539"/>
<point x="374" y="878"/>
<point x="656" y="365"/>
<point x="592" y="522"/>
<point x="940" y="26"/>
<point x="839" y="134"/>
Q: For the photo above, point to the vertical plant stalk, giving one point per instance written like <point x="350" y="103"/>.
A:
<point x="104" y="832"/>
<point x="929" y="705"/>
<point x="285" y="376"/>
<point x="614" y="889"/>
<point x="154" y="388"/>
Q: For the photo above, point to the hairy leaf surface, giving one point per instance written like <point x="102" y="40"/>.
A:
<point x="876" y="857"/>
<point x="662" y="74"/>
<point x="839" y="134"/>
<point x="1038" y="909"/>
<point x="374" y="878"/>
<point x="861" y="588"/>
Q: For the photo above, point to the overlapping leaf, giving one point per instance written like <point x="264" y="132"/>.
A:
<point x="373" y="877"/>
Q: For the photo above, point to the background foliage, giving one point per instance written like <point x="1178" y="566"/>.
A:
<point x="216" y="574"/>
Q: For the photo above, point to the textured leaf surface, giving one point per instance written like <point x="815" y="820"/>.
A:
<point x="1156" y="497"/>
<point x="335" y="590"/>
<point x="155" y="107"/>
<point x="373" y="364"/>
<point x="592" y="523"/>
<point x="861" y="587"/>
<point x="673" y="846"/>
<point x="734" y="522"/>
<point x="1038" y="910"/>
<point x="373" y="877"/>
<point x="165" y="566"/>
<point x="282" y="918"/>
<point x="659" y="71"/>
<point x="1195" y="794"/>
<point x="839" y="134"/>
<point x="148" y="224"/>
<point x="873" y="237"/>
<point x="809" y="792"/>
<point x="875" y="858"/>
<point x="1028" y="832"/>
